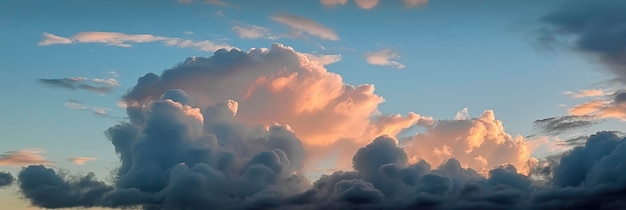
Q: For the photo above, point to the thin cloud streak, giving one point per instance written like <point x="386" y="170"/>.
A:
<point x="81" y="160"/>
<point x="306" y="25"/>
<point x="126" y="40"/>
<point x="384" y="58"/>
<point x="21" y="158"/>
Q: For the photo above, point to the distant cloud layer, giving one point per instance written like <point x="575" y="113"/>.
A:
<point x="126" y="40"/>
<point x="384" y="58"/>
<point x="307" y="25"/>
<point x="23" y="158"/>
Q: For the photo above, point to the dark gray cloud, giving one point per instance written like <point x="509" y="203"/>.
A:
<point x="97" y="85"/>
<point x="560" y="124"/>
<point x="595" y="28"/>
<point x="6" y="179"/>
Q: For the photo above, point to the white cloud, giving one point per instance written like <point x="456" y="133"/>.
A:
<point x="102" y="111"/>
<point x="323" y="59"/>
<point x="112" y="82"/>
<point x="74" y="104"/>
<point x="366" y="4"/>
<point x="384" y="58"/>
<point x="113" y="74"/>
<point x="125" y="40"/>
<point x="332" y="3"/>
<point x="189" y="32"/>
<point x="462" y="114"/>
<point x="50" y="39"/>
<point x="302" y="24"/>
<point x="81" y="160"/>
<point x="247" y="31"/>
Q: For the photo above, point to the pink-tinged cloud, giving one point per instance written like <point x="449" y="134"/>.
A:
<point x="23" y="158"/>
<point x="50" y="39"/>
<point x="586" y="93"/>
<point x="323" y="59"/>
<point x="126" y="40"/>
<point x="384" y="58"/>
<point x="81" y="160"/>
<point x="366" y="4"/>
<point x="307" y="25"/>
<point x="332" y="3"/>
<point x="415" y="3"/>
<point x="480" y="143"/>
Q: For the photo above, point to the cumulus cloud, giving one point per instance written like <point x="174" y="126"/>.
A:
<point x="81" y="160"/>
<point x="125" y="40"/>
<point x="480" y="143"/>
<point x="384" y="58"/>
<point x="239" y="130"/>
<point x="248" y="31"/>
<point x="586" y="93"/>
<point x="6" y="179"/>
<point x="324" y="59"/>
<point x="23" y="158"/>
<point x="96" y="85"/>
<point x="592" y="28"/>
<point x="307" y="25"/>
<point x="366" y="4"/>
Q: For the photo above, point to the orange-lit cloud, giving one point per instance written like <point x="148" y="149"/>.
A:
<point x="366" y="4"/>
<point x="81" y="160"/>
<point x="23" y="158"/>
<point x="480" y="143"/>
<point x="586" y="93"/>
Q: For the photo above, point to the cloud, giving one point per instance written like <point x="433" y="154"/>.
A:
<point x="586" y="93"/>
<point x="307" y="25"/>
<point x="323" y="59"/>
<point x="561" y="124"/>
<point x="22" y="158"/>
<point x="384" y="58"/>
<point x="366" y="4"/>
<point x="240" y="130"/>
<point x="75" y="104"/>
<point x="415" y="3"/>
<point x="217" y="3"/>
<point x="247" y="31"/>
<point x="97" y="85"/>
<point x="184" y="1"/>
<point x="6" y="179"/>
<point x="613" y="106"/>
<point x="463" y="114"/>
<point x="592" y="28"/>
<point x="50" y="39"/>
<point x="480" y="143"/>
<point x="81" y="160"/>
<point x="125" y="40"/>
<point x="332" y="3"/>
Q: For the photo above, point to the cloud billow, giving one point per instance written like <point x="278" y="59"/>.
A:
<point x="240" y="130"/>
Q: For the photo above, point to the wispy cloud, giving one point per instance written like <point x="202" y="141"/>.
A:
<point x="415" y="3"/>
<point x="23" y="158"/>
<point x="97" y="85"/>
<point x="332" y="3"/>
<point x="323" y="59"/>
<point x="81" y="160"/>
<point x="366" y="4"/>
<point x="248" y="31"/>
<point x="217" y="3"/>
<point x="307" y="25"/>
<point x="79" y="105"/>
<point x="384" y="58"/>
<point x="585" y="93"/>
<point x="126" y="40"/>
<point x="75" y="104"/>
<point x="561" y="124"/>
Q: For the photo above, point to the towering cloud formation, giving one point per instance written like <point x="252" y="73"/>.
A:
<point x="238" y="130"/>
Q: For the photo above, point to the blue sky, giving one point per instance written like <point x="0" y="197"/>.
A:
<point x="451" y="54"/>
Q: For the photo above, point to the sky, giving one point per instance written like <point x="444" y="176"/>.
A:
<point x="312" y="104"/>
